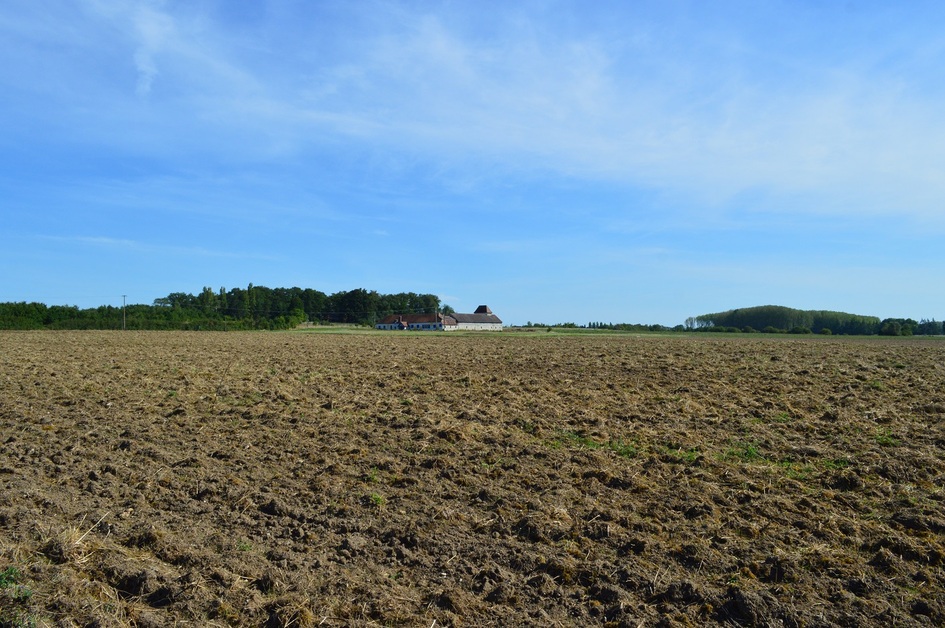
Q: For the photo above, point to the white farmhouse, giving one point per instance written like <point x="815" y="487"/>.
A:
<point x="417" y="322"/>
<point x="481" y="320"/>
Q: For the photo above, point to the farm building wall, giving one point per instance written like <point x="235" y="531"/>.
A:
<point x="480" y="326"/>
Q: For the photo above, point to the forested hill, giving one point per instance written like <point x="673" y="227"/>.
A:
<point x="253" y="307"/>
<point x="776" y="318"/>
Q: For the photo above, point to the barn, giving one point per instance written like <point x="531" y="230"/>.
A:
<point x="481" y="320"/>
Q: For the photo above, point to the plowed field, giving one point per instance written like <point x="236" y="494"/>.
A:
<point x="391" y="479"/>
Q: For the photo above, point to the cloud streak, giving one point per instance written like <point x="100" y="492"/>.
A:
<point x="638" y="102"/>
<point x="637" y="114"/>
<point x="137" y="246"/>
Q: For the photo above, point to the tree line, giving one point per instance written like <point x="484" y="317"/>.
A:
<point x="259" y="307"/>
<point x="253" y="307"/>
<point x="779" y="319"/>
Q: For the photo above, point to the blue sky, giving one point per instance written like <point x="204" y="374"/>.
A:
<point x="560" y="161"/>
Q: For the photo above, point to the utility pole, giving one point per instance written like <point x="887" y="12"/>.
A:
<point x="123" y="311"/>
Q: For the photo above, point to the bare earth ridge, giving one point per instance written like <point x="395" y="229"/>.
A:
<point x="303" y="479"/>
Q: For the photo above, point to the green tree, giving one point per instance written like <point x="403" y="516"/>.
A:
<point x="207" y="301"/>
<point x="929" y="328"/>
<point x="891" y="328"/>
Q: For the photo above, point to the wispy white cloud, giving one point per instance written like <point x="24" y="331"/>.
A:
<point x="639" y="100"/>
<point x="517" y="247"/>
<point x="137" y="246"/>
<point x="154" y="30"/>
<point x="850" y="137"/>
<point x="147" y="70"/>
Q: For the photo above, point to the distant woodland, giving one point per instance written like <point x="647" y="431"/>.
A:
<point x="259" y="307"/>
<point x="253" y="307"/>
<point x="779" y="319"/>
<point x="776" y="319"/>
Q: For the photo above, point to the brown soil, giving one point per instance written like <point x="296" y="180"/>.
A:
<point x="495" y="480"/>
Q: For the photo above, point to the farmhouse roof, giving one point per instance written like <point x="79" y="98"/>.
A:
<point x="409" y="319"/>
<point x="482" y="315"/>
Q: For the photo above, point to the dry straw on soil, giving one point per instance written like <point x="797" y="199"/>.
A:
<point x="307" y="479"/>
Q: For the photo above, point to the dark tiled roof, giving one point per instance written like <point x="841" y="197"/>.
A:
<point x="410" y="319"/>
<point x="477" y="318"/>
